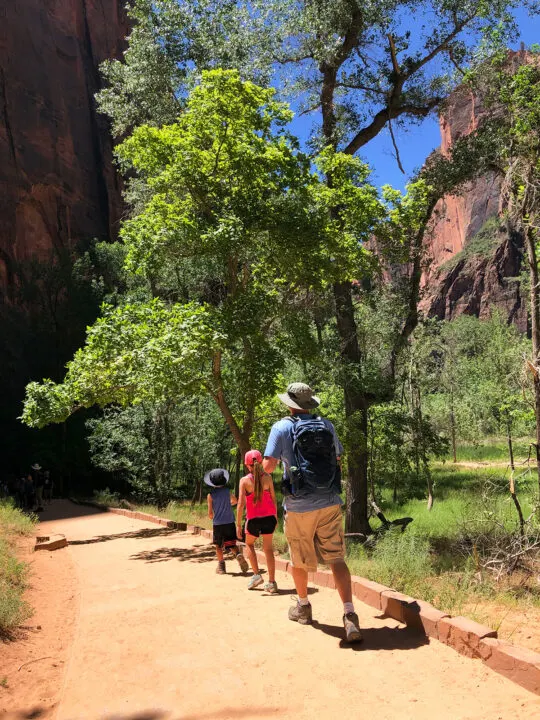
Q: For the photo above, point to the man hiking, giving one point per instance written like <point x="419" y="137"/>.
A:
<point x="310" y="451"/>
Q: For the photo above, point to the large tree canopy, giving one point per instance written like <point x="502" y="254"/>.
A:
<point x="357" y="65"/>
<point x="229" y="208"/>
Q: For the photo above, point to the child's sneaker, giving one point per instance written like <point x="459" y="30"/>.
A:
<point x="244" y="567"/>
<point x="220" y="570"/>
<point x="271" y="588"/>
<point x="255" y="581"/>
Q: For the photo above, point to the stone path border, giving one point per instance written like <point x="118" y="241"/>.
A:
<point x="467" y="637"/>
<point x="50" y="542"/>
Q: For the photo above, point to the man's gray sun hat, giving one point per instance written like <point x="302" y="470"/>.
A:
<point x="299" y="396"/>
<point x="216" y="478"/>
<point x="37" y="466"/>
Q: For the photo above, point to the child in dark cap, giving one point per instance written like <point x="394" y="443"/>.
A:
<point x="220" y="501"/>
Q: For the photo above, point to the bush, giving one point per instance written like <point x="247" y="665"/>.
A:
<point x="13" y="573"/>
<point x="13" y="521"/>
<point x="106" y="497"/>
<point x="13" y="609"/>
<point x="399" y="560"/>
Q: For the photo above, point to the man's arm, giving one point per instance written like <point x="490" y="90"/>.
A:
<point x="273" y="450"/>
<point x="269" y="464"/>
<point x="210" y="506"/>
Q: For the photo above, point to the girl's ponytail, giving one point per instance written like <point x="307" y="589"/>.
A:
<point x="253" y="459"/>
<point x="258" y="473"/>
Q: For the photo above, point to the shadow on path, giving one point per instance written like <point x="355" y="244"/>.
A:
<point x="384" y="638"/>
<point x="226" y="712"/>
<point x="197" y="553"/>
<point x="134" y="534"/>
<point x="65" y="510"/>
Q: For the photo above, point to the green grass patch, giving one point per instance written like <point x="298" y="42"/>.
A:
<point x="493" y="450"/>
<point x="13" y="574"/>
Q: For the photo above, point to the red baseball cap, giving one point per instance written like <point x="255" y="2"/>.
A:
<point x="251" y="456"/>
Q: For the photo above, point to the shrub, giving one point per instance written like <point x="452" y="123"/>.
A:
<point x="401" y="561"/>
<point x="106" y="497"/>
<point x="13" y="573"/>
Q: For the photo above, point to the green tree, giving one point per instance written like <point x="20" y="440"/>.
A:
<point x="509" y="141"/>
<point x="470" y="375"/>
<point x="229" y="207"/>
<point x="359" y="68"/>
<point x="160" y="451"/>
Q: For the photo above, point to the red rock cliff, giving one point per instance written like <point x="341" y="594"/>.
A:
<point x="472" y="282"/>
<point x="57" y="182"/>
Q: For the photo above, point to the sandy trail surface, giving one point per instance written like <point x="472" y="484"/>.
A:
<point x="158" y="635"/>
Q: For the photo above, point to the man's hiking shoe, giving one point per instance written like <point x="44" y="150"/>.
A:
<point x="352" y="628"/>
<point x="301" y="614"/>
<point x="244" y="567"/>
<point x="255" y="581"/>
<point x="220" y="570"/>
<point x="271" y="588"/>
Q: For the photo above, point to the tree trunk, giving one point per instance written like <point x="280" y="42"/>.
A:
<point x="430" y="498"/>
<point x="420" y="445"/>
<point x="530" y="247"/>
<point x="356" y="413"/>
<point x="517" y="504"/>
<point x="356" y="518"/>
<point x="453" y="433"/>
<point x="509" y="439"/>
<point x="237" y="467"/>
<point x="371" y="459"/>
<point x="240" y="437"/>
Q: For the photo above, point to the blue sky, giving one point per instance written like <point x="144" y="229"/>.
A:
<point x="417" y="141"/>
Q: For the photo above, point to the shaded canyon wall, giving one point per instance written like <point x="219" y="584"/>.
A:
<point x="58" y="187"/>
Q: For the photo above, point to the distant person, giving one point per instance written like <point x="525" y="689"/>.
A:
<point x="19" y="491"/>
<point x="257" y="495"/>
<point x="310" y="451"/>
<point x="39" y="482"/>
<point x="220" y="501"/>
<point x="47" y="487"/>
<point x="29" y="493"/>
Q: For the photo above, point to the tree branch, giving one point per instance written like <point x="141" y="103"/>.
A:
<point x="393" y="108"/>
<point x="329" y="70"/>
<point x="394" y="143"/>
<point x="367" y="133"/>
<point x="222" y="404"/>
<point x="393" y="55"/>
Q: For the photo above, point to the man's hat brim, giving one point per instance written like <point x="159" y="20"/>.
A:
<point x="208" y="482"/>
<point x="310" y="404"/>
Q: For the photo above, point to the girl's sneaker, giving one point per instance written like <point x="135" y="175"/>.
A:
<point x="271" y="588"/>
<point x="220" y="570"/>
<point x="255" y="581"/>
<point x="244" y="567"/>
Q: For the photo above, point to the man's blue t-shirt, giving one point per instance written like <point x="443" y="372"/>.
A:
<point x="280" y="446"/>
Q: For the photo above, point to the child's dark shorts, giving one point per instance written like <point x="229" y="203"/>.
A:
<point x="261" y="526"/>
<point x="225" y="535"/>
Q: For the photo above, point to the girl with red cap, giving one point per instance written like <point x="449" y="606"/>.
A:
<point x="256" y="494"/>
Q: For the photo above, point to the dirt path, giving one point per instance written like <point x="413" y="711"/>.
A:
<point x="159" y="635"/>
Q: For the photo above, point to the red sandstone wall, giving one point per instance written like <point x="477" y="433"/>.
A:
<point x="461" y="217"/>
<point x="57" y="183"/>
<point x="475" y="285"/>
